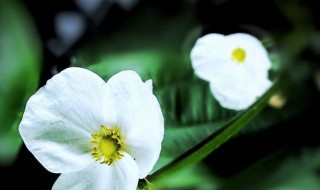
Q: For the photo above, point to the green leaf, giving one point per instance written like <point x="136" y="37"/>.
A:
<point x="299" y="14"/>
<point x="291" y="93"/>
<point x="149" y="65"/>
<point x="286" y="169"/>
<point x="203" y="149"/>
<point x="179" y="139"/>
<point x="197" y="178"/>
<point x="147" y="29"/>
<point x="19" y="73"/>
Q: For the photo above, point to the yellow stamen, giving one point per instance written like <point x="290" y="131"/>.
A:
<point x="238" y="55"/>
<point x="107" y="145"/>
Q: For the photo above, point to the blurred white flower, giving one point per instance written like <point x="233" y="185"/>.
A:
<point x="236" y="66"/>
<point x="98" y="135"/>
<point x="69" y="26"/>
<point x="91" y="6"/>
<point x="126" y="4"/>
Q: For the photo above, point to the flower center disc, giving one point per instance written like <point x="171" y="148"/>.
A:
<point x="107" y="145"/>
<point x="239" y="55"/>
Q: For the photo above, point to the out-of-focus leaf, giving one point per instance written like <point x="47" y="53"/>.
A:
<point x="179" y="139"/>
<point x="296" y="12"/>
<point x="211" y="143"/>
<point x="291" y="46"/>
<point x="160" y="66"/>
<point x="146" y="30"/>
<point x="293" y="105"/>
<point x="189" y="178"/>
<point x="283" y="170"/>
<point x="19" y="73"/>
<point x="315" y="43"/>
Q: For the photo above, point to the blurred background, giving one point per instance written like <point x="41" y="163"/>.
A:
<point x="279" y="149"/>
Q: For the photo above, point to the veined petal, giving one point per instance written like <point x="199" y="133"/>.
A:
<point x="122" y="175"/>
<point x="139" y="118"/>
<point x="60" y="117"/>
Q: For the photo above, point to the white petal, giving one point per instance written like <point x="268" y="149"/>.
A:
<point x="139" y="118"/>
<point x="257" y="60"/>
<point x="61" y="116"/>
<point x="236" y="88"/>
<point x="121" y="175"/>
<point x="211" y="49"/>
<point x="149" y="85"/>
<point x="241" y="99"/>
<point x="125" y="173"/>
<point x="145" y="150"/>
<point x="255" y="51"/>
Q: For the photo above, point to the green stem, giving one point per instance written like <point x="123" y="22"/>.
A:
<point x="203" y="149"/>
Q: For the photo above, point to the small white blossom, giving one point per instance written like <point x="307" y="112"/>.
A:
<point x="236" y="67"/>
<point x="99" y="135"/>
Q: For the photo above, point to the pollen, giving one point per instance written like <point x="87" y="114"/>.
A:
<point x="238" y="55"/>
<point x="107" y="145"/>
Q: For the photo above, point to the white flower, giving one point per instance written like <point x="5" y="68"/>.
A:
<point x="98" y="135"/>
<point x="236" y="66"/>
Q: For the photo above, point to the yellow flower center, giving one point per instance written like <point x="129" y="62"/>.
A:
<point x="239" y="55"/>
<point x="107" y="145"/>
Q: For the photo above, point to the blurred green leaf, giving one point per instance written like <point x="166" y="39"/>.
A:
<point x="189" y="178"/>
<point x="297" y="12"/>
<point x="293" y="105"/>
<point x="315" y="43"/>
<point x="160" y="66"/>
<point x="211" y="143"/>
<point x="284" y="170"/>
<point x="146" y="30"/>
<point x="179" y="139"/>
<point x="19" y="73"/>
